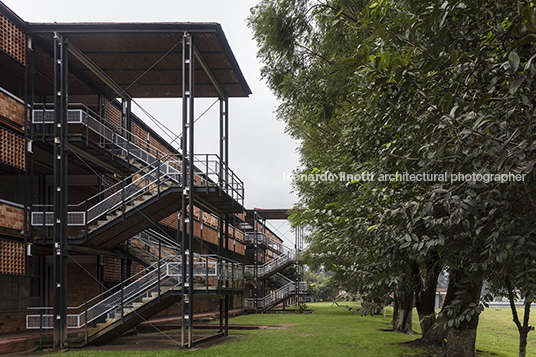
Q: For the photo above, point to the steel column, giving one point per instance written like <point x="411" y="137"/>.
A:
<point x="191" y="183"/>
<point x="255" y="267"/>
<point x="188" y="187"/>
<point x="184" y="149"/>
<point x="226" y="134"/>
<point x="226" y="315"/>
<point x="60" y="189"/>
<point x="224" y="141"/>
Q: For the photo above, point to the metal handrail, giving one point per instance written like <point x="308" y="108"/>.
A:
<point x="262" y="238"/>
<point x="281" y="279"/>
<point x="277" y="295"/>
<point x="121" y="194"/>
<point x="168" y="273"/>
<point x="211" y="170"/>
<point x="267" y="268"/>
<point x="211" y="167"/>
<point x="109" y="136"/>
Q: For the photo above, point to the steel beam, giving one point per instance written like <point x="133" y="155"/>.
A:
<point x="209" y="74"/>
<point x="184" y="150"/>
<point x="79" y="55"/>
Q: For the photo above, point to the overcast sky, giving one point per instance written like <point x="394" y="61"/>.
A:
<point x="260" y="152"/>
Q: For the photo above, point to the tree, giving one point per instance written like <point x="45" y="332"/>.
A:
<point x="321" y="287"/>
<point x="419" y="87"/>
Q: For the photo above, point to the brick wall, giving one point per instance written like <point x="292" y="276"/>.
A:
<point x="12" y="40"/>
<point x="11" y="217"/>
<point x="112" y="114"/>
<point x="12" y="110"/>
<point x="12" y="257"/>
<point x="112" y="269"/>
<point x="12" y="321"/>
<point x="12" y="148"/>
<point x="81" y="286"/>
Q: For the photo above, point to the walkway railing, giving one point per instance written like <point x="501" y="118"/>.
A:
<point x="280" y="279"/>
<point x="261" y="238"/>
<point x="273" y="265"/>
<point x="208" y="270"/>
<point x="277" y="296"/>
<point x="117" y="197"/>
<point x="209" y="170"/>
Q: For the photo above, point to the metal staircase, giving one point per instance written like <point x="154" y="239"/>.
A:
<point x="279" y="279"/>
<point x="147" y="196"/>
<point x="273" y="266"/>
<point x="276" y="297"/>
<point x="270" y="271"/>
<point x="125" y="211"/>
<point x="149" y="246"/>
<point x="135" y="300"/>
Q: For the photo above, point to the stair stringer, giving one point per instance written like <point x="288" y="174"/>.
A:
<point x="134" y="318"/>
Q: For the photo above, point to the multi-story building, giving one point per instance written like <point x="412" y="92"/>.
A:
<point x="103" y="222"/>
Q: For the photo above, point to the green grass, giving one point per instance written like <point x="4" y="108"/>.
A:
<point x="332" y="331"/>
<point x="497" y="333"/>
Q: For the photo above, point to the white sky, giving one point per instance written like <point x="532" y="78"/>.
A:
<point x="260" y="153"/>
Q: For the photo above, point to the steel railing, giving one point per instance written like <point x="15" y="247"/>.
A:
<point x="277" y="296"/>
<point x="123" y="295"/>
<point x="214" y="171"/>
<point x="273" y="265"/>
<point x="117" y="197"/>
<point x="108" y="136"/>
<point x="280" y="279"/>
<point x="261" y="238"/>
<point x="209" y="170"/>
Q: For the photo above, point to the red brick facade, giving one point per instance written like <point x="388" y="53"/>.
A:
<point x="12" y="110"/>
<point x="12" y="321"/>
<point x="12" y="257"/>
<point x="12" y="40"/>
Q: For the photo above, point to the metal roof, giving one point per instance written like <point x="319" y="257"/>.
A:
<point x="143" y="59"/>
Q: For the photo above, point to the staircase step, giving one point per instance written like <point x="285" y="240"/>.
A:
<point x="101" y="325"/>
<point x="147" y="299"/>
<point x="92" y="330"/>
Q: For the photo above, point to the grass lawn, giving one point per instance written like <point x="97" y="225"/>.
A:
<point x="333" y="331"/>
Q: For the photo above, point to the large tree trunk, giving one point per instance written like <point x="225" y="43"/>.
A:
<point x="437" y="334"/>
<point x="461" y="339"/>
<point x="395" y="309"/>
<point x="425" y="292"/>
<point x="404" y="321"/>
<point x="523" y="344"/>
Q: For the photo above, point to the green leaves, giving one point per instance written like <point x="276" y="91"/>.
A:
<point x="416" y="87"/>
<point x="517" y="83"/>
<point x="513" y="60"/>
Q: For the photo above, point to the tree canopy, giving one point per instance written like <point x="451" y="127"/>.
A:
<point x="417" y="127"/>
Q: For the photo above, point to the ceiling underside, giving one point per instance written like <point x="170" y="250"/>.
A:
<point x="144" y="60"/>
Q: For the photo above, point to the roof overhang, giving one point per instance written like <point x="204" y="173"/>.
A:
<point x="143" y="60"/>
